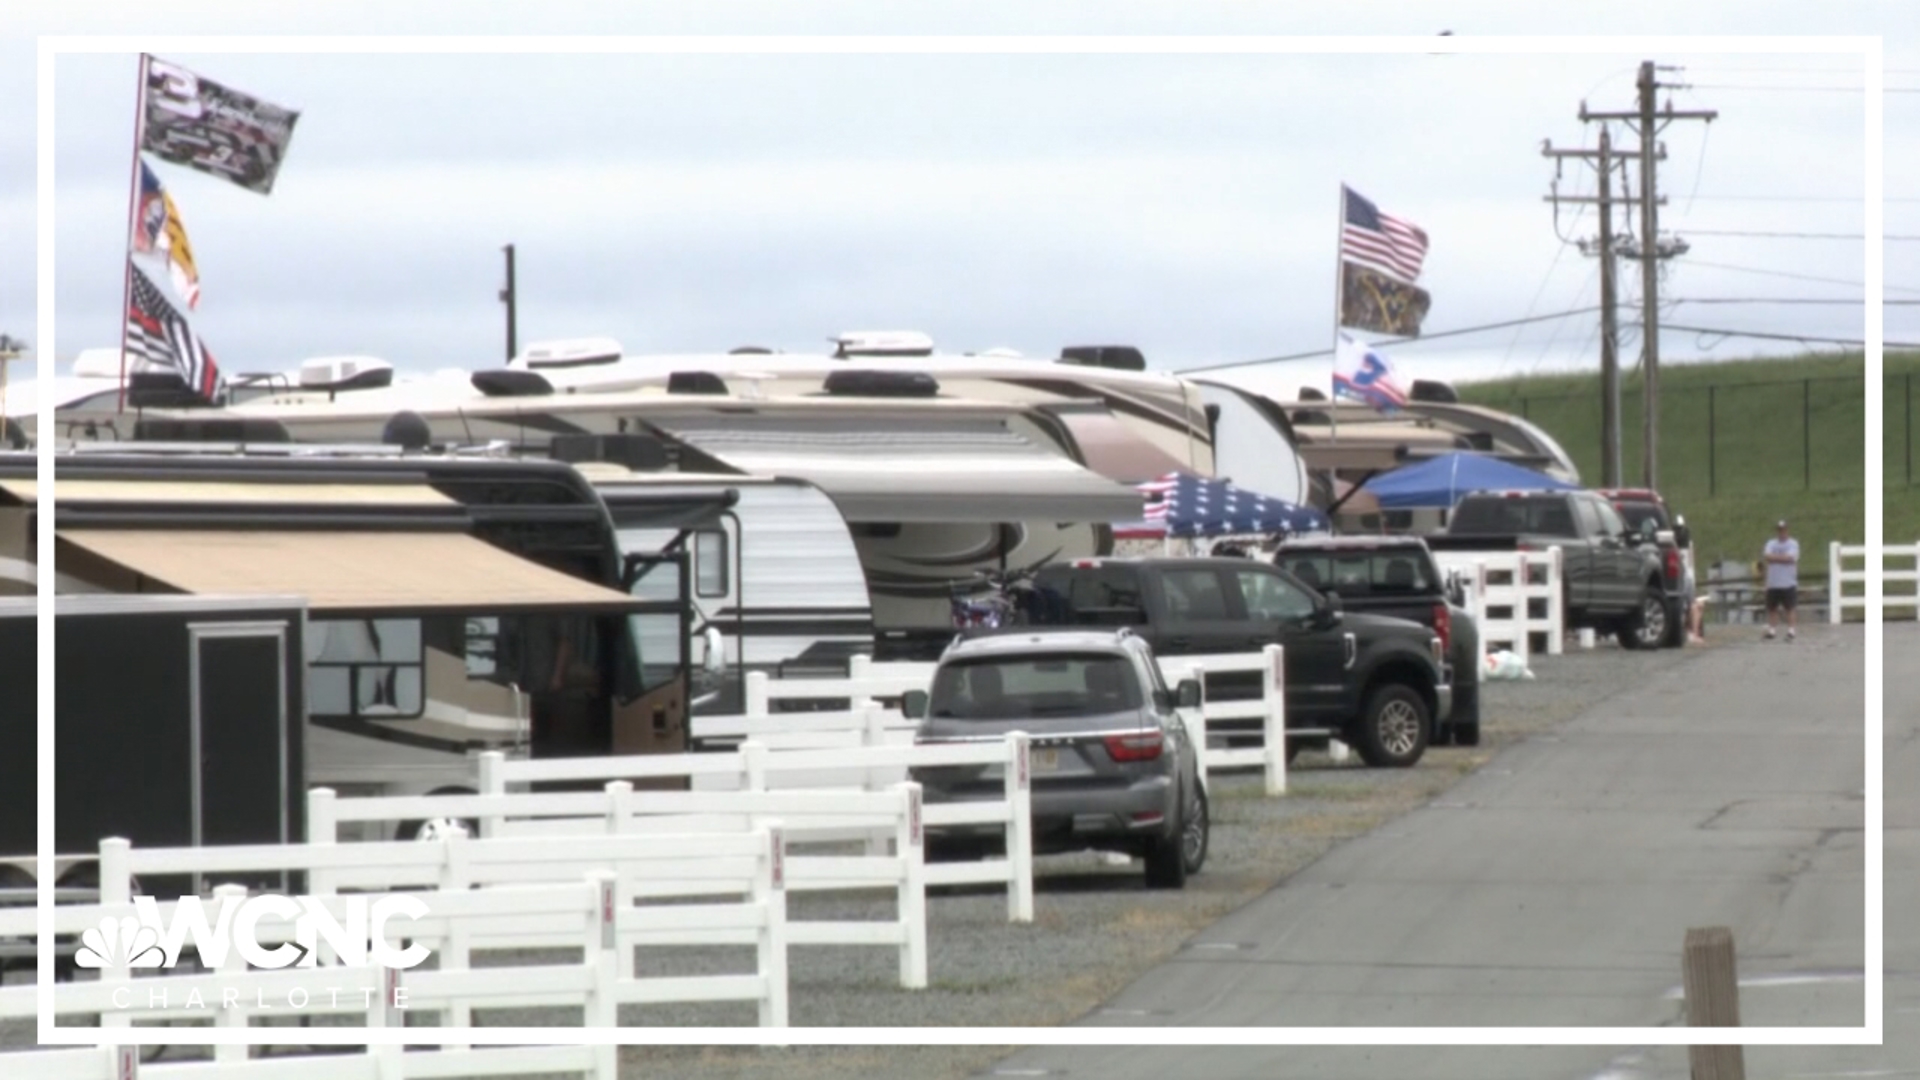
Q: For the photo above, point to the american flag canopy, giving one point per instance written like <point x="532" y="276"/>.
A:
<point x="1181" y="504"/>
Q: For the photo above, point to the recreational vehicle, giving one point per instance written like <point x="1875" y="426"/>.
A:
<point x="450" y="605"/>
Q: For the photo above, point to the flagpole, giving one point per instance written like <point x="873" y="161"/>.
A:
<point x="133" y="222"/>
<point x="1339" y="282"/>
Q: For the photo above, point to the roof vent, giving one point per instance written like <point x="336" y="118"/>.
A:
<point x="893" y="384"/>
<point x="507" y="382"/>
<point x="882" y="343"/>
<point x="345" y="373"/>
<point x="1117" y="357"/>
<point x="573" y="352"/>
<point x="696" y="382"/>
<point x="1432" y="390"/>
<point x="750" y="350"/>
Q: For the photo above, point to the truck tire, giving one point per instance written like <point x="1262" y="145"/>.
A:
<point x="1647" y="627"/>
<point x="1395" y="727"/>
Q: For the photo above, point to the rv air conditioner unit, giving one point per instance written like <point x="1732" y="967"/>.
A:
<point x="573" y="352"/>
<point x="897" y="384"/>
<point x="345" y="373"/>
<point x="1117" y="357"/>
<point x="696" y="382"/>
<point x="882" y="343"/>
<point x="506" y="382"/>
<point x="1431" y="390"/>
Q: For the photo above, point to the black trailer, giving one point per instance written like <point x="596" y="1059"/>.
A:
<point x="181" y="722"/>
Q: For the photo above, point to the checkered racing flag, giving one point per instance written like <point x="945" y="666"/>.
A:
<point x="160" y="335"/>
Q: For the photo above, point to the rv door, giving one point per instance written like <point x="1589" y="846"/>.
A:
<point x="655" y="722"/>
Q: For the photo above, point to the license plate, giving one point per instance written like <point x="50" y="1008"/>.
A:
<point x="1046" y="759"/>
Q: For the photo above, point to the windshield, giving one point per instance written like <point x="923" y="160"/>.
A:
<point x="1498" y="514"/>
<point x="1638" y="512"/>
<point x="1061" y="684"/>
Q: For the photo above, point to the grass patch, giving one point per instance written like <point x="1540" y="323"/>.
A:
<point x="1746" y="442"/>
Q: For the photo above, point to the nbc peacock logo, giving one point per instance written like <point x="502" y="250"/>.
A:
<point x="120" y="943"/>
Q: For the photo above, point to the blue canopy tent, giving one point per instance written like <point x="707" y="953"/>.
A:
<point x="1179" y="504"/>
<point x="1439" y="482"/>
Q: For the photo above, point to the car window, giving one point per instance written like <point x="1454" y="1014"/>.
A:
<point x="1610" y="522"/>
<point x="1096" y="594"/>
<point x="1271" y="597"/>
<point x="1056" y="684"/>
<point x="1498" y="514"/>
<point x="1637" y="513"/>
<point x="1363" y="573"/>
<point x="1194" y="594"/>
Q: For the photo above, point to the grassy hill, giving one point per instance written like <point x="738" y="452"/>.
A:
<point x="1743" y="443"/>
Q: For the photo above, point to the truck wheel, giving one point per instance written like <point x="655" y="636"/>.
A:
<point x="1647" y="627"/>
<point x="1394" y="728"/>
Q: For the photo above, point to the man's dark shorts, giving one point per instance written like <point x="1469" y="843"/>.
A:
<point x="1783" y="599"/>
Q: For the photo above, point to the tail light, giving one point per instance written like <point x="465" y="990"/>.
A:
<point x="1138" y="746"/>
<point x="1673" y="564"/>
<point x="1443" y="625"/>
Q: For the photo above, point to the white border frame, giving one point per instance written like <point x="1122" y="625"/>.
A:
<point x="1868" y="48"/>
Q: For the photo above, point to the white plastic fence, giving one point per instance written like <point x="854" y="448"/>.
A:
<point x="534" y="818"/>
<point x="1501" y="588"/>
<point x="1900" y="588"/>
<point x="376" y="1063"/>
<point x="1270" y="708"/>
<point x="755" y="767"/>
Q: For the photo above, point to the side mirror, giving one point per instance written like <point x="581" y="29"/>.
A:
<point x="1187" y="694"/>
<point x="913" y="704"/>
<point x="1682" y="535"/>
<point x="714" y="661"/>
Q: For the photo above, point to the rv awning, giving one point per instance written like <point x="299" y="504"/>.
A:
<point x="912" y="468"/>
<point x="276" y="493"/>
<point x="336" y="571"/>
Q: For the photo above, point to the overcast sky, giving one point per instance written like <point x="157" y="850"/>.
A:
<point x="1184" y="204"/>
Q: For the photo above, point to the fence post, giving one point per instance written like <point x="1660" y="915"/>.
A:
<point x="1713" y="1000"/>
<point x="603" y="950"/>
<point x="1020" y="827"/>
<point x="913" y="890"/>
<point x="753" y="758"/>
<point x="1556" y="612"/>
<point x="1196" y="718"/>
<point x="488" y="776"/>
<point x="1806" y="430"/>
<point x="770" y="886"/>
<point x="116" y="888"/>
<point x="758" y="694"/>
<point x="1834" y="586"/>
<point x="230" y="1016"/>
<point x="1274" y="741"/>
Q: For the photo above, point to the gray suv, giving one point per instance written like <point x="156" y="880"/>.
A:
<point x="1113" y="768"/>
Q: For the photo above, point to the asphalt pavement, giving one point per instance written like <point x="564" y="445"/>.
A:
<point x="1555" y="886"/>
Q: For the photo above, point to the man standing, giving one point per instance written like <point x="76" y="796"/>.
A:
<point x="1782" y="558"/>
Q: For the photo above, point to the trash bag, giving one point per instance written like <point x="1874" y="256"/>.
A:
<point x="1504" y="665"/>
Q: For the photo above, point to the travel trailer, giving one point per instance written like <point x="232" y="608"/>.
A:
<point x="450" y="605"/>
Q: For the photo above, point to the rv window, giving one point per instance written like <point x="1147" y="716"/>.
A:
<point x="710" y="569"/>
<point x="365" y="669"/>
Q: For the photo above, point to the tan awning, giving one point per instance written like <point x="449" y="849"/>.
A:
<point x="275" y="493"/>
<point x="335" y="571"/>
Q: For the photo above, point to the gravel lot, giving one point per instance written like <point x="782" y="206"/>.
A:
<point x="1096" y="927"/>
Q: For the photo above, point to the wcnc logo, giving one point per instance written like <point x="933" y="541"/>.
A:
<point x="147" y="940"/>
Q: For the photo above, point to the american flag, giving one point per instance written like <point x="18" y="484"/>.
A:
<point x="1181" y="504"/>
<point x="1394" y="246"/>
<point x="158" y="333"/>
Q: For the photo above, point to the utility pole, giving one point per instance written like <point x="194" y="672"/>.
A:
<point x="1603" y="160"/>
<point x="507" y="297"/>
<point x="1650" y="250"/>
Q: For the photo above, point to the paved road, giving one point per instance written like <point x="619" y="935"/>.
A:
<point x="1555" y="886"/>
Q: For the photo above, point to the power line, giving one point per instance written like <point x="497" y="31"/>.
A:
<point x="1778" y="300"/>
<point x="1805" y="198"/>
<point x="1805" y="339"/>
<point x="1797" y="89"/>
<point x="1793" y="235"/>
<point x="1797" y="277"/>
<point x="1393" y="341"/>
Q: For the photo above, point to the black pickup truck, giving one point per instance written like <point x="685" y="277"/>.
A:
<point x="1614" y="579"/>
<point x="1379" y="684"/>
<point x="1397" y="576"/>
